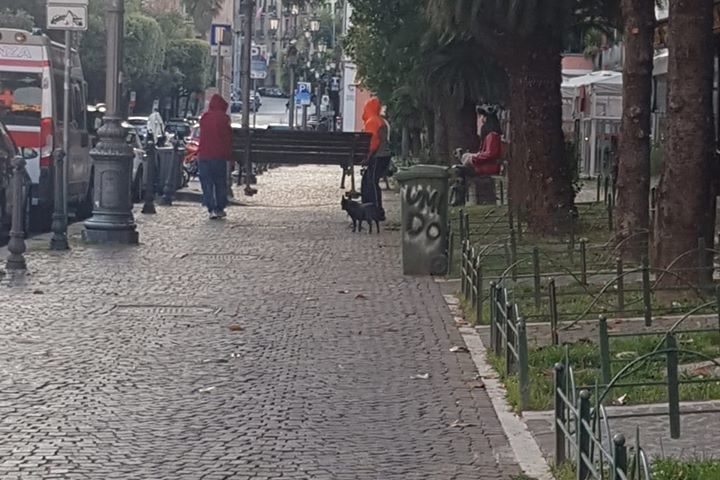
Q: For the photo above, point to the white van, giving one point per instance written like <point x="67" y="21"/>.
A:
<point x="31" y="107"/>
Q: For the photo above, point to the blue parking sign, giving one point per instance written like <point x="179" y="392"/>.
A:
<point x="303" y="94"/>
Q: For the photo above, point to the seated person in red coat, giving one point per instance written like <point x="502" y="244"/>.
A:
<point x="484" y="163"/>
<point x="487" y="160"/>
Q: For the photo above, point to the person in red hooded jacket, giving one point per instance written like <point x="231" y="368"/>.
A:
<point x="378" y="159"/>
<point x="214" y="152"/>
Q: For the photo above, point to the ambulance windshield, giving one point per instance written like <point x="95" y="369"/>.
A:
<point x="20" y="98"/>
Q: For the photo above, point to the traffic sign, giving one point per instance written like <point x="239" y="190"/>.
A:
<point x="220" y="39"/>
<point x="303" y="94"/>
<point x="67" y="15"/>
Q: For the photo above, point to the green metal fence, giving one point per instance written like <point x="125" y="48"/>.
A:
<point x="583" y="436"/>
<point x="508" y="339"/>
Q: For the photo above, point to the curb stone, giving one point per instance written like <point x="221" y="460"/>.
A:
<point x="524" y="447"/>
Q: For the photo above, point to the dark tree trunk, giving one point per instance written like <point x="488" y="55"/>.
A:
<point x="461" y="129"/>
<point x="517" y="179"/>
<point x="547" y="194"/>
<point x="686" y="194"/>
<point x="633" y="182"/>
<point x="440" y="138"/>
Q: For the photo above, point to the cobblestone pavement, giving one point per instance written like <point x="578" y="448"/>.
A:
<point x="274" y="344"/>
<point x="698" y="426"/>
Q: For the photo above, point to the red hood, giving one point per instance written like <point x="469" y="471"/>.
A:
<point x="218" y="104"/>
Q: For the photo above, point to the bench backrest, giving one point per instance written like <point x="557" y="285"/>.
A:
<point x="299" y="147"/>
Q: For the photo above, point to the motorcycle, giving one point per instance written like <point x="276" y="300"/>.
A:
<point x="190" y="160"/>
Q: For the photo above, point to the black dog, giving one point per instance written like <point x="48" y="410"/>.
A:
<point x="361" y="212"/>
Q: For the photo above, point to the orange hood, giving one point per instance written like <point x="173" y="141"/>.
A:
<point x="372" y="109"/>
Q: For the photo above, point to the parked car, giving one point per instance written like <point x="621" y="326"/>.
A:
<point x="7" y="153"/>
<point x="139" y="124"/>
<point x="272" y="92"/>
<point x="178" y="128"/>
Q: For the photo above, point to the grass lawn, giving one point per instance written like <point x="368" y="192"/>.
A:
<point x="663" y="469"/>
<point x="585" y="360"/>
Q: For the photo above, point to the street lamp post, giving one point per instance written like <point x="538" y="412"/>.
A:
<point x="112" y="220"/>
<point x="292" y="59"/>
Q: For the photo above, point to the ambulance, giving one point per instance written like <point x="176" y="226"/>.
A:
<point x="31" y="107"/>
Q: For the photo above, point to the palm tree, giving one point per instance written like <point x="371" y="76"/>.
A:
<point x="633" y="180"/>
<point x="455" y="76"/>
<point x="526" y="38"/>
<point x="686" y="195"/>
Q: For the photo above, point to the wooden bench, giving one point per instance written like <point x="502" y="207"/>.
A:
<point x="298" y="147"/>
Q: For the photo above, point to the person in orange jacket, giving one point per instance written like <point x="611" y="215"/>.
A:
<point x="379" y="156"/>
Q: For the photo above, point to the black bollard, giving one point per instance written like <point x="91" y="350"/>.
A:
<point x="172" y="173"/>
<point x="16" y="245"/>
<point x="149" y="179"/>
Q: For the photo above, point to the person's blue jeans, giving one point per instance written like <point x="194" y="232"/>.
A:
<point x="213" y="179"/>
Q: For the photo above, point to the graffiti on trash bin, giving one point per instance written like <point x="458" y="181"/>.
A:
<point x="424" y="221"/>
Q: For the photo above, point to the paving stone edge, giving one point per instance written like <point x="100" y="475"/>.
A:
<point x="524" y="447"/>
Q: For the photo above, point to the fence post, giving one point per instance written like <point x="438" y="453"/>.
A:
<point x="513" y="253"/>
<point x="673" y="386"/>
<point x="479" y="290"/>
<point x="610" y="206"/>
<point x="553" y="313"/>
<point x="583" y="435"/>
<point x="583" y="262"/>
<point x="647" y="300"/>
<point x="511" y="220"/>
<point x="604" y="350"/>
<point x="493" y="315"/>
<point x="451" y="250"/>
<point x="463" y="270"/>
<point x="509" y="340"/>
<point x="461" y="225"/>
<point x="523" y="370"/>
<point x="620" y="286"/>
<point x="560" y="453"/>
<point x="467" y="227"/>
<point x="536" y="275"/>
<point x="473" y="276"/>
<point x="620" y="467"/>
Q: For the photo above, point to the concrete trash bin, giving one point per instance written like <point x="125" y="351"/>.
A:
<point x="424" y="205"/>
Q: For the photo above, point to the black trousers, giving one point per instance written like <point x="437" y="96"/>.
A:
<point x="370" y="185"/>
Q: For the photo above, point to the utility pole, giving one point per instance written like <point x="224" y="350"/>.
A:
<point x="246" y="80"/>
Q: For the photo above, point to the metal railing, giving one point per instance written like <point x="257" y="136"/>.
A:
<point x="583" y="436"/>
<point x="508" y="339"/>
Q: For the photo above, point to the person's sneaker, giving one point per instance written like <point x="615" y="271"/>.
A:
<point x="221" y="214"/>
<point x="213" y="216"/>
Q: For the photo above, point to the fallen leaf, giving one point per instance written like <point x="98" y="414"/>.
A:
<point x="236" y="328"/>
<point x="360" y="296"/>
<point x="457" y="349"/>
<point x="312" y="299"/>
<point x="206" y="390"/>
<point x="421" y="376"/>
<point x="343" y="291"/>
<point x="461" y="424"/>
<point x="476" y="384"/>
<point x="622" y="400"/>
<point x="38" y="292"/>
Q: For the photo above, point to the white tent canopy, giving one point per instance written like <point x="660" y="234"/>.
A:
<point x="601" y="83"/>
